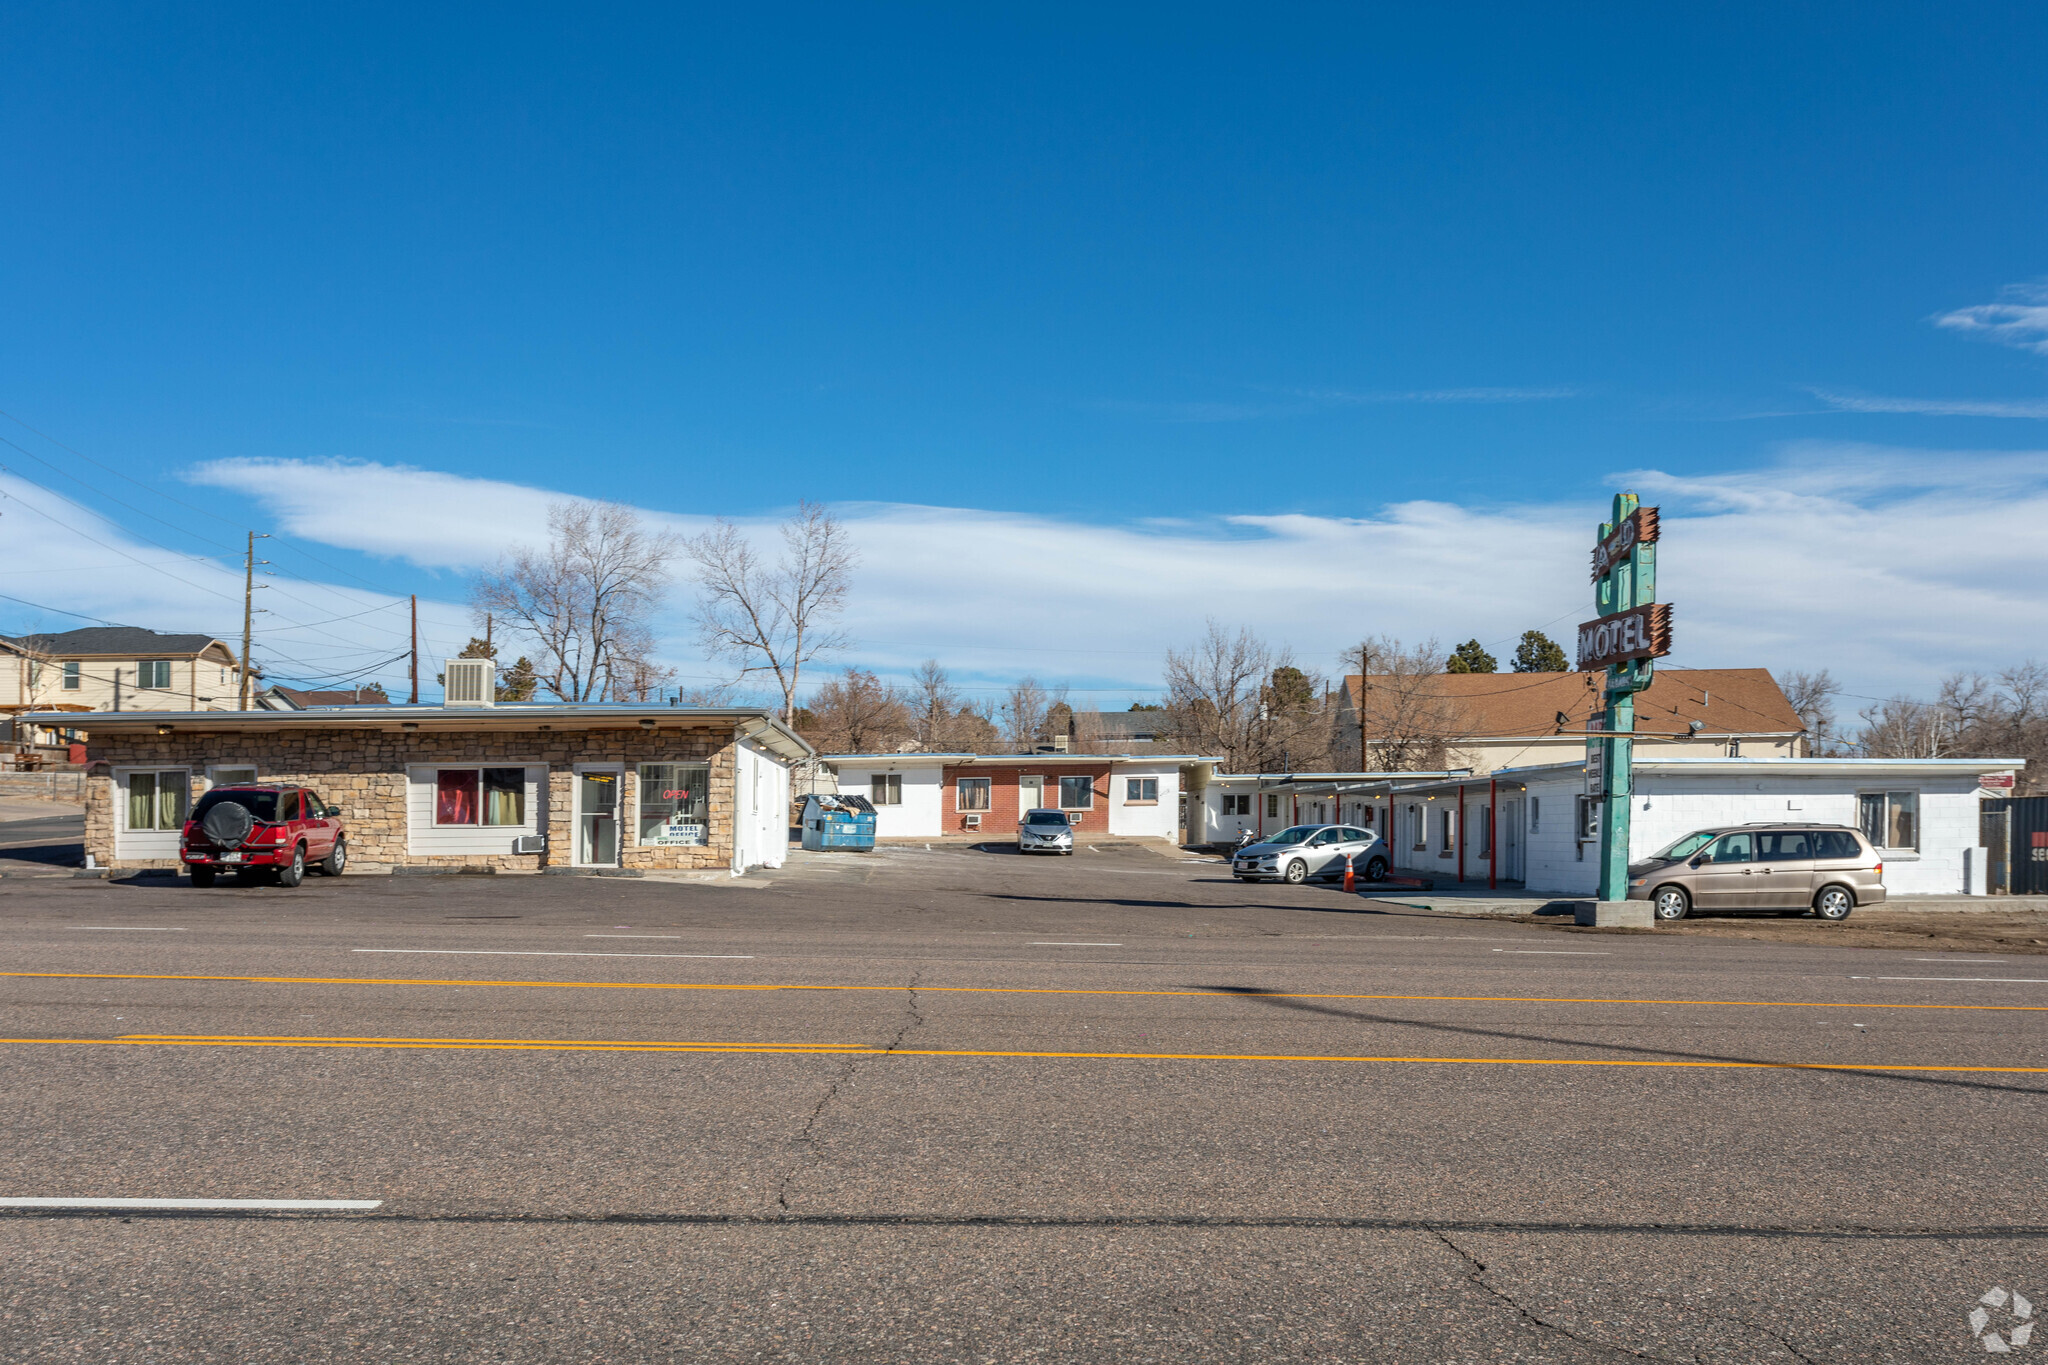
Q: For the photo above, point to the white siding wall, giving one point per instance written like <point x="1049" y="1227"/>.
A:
<point x="760" y="808"/>
<point x="919" y="817"/>
<point x="1158" y="821"/>
<point x="425" y="839"/>
<point x="144" y="843"/>
<point x="1224" y="829"/>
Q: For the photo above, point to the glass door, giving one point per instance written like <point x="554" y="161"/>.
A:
<point x="597" y="819"/>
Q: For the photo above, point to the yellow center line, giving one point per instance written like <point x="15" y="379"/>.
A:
<point x="1011" y="990"/>
<point x="802" y="1049"/>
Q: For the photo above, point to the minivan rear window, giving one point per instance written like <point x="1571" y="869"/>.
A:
<point x="261" y="805"/>
<point x="1783" y="845"/>
<point x="1835" y="843"/>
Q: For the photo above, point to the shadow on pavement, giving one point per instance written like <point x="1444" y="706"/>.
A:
<point x="1284" y="1001"/>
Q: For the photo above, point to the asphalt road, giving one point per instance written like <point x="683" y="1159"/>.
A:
<point x="950" y="1105"/>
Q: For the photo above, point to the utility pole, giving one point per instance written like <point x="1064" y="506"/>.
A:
<point x="1364" y="681"/>
<point x="415" y="649"/>
<point x="248" y="611"/>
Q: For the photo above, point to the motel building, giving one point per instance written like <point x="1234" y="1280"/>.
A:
<point x="935" y="796"/>
<point x="1537" y="826"/>
<point x="509" y="788"/>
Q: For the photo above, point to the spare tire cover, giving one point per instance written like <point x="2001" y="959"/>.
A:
<point x="228" y="824"/>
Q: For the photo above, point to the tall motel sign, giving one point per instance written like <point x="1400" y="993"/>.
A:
<point x="1631" y="630"/>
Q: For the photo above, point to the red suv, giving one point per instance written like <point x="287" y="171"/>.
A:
<point x="278" y="829"/>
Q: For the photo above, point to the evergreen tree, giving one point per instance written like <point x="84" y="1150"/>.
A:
<point x="1471" y="657"/>
<point x="1538" y="653"/>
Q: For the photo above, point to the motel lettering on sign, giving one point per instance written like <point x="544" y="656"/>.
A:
<point x="1641" y="633"/>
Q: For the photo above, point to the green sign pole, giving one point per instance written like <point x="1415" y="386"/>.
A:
<point x="1630" y="582"/>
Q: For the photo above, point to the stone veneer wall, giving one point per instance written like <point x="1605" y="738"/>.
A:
<point x="363" y="772"/>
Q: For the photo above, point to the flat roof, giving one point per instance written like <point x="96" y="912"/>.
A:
<point x="759" y="723"/>
<point x="1773" y="767"/>
<point x="1010" y="760"/>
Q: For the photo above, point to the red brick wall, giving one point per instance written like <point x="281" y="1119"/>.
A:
<point x="1002" y="814"/>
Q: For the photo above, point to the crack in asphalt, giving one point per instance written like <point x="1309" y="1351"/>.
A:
<point x="1475" y="1275"/>
<point x="810" y="1155"/>
<point x="1774" y="1335"/>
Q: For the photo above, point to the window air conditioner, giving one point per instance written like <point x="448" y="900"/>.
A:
<point x="974" y="822"/>
<point x="469" y="682"/>
<point x="530" y="843"/>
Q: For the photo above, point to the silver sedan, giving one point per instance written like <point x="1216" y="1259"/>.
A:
<point x="1302" y="851"/>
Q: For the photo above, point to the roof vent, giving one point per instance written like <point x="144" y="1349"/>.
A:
<point x="469" y="682"/>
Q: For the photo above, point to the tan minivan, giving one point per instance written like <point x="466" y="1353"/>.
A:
<point x="1782" y="869"/>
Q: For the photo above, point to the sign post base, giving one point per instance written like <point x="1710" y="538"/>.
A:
<point x="1613" y="914"/>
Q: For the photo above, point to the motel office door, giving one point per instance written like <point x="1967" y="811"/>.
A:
<point x="1030" y="794"/>
<point x="597" y="818"/>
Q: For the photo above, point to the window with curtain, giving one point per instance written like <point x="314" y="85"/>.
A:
<point x="1890" y="819"/>
<point x="971" y="793"/>
<point x="675" y="803"/>
<point x="455" y="792"/>
<point x="885" y="789"/>
<point x="157" y="800"/>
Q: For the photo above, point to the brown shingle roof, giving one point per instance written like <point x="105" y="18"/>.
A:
<point x="1730" y="701"/>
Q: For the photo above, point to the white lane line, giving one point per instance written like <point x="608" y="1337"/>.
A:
<point x="632" y="936"/>
<point x="2013" y="980"/>
<point x="1053" y="944"/>
<point x="1554" y="952"/>
<point x="1963" y="961"/>
<point x="282" y="1204"/>
<point x="507" y="952"/>
<point x="136" y="928"/>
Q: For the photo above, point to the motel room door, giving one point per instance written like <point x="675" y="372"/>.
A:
<point x="1030" y="794"/>
<point x="1511" y="841"/>
<point x="597" y="817"/>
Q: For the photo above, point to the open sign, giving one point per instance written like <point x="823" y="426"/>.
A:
<point x="675" y="794"/>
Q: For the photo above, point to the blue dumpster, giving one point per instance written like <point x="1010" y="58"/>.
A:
<point x="832" y="821"/>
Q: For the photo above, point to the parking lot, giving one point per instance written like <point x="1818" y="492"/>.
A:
<point x="953" y="1104"/>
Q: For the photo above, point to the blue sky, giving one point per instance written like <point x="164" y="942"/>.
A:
<point x="1203" y="308"/>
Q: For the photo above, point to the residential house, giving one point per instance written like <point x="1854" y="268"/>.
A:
<point x="108" y="668"/>
<point x="280" y="698"/>
<point x="1485" y="721"/>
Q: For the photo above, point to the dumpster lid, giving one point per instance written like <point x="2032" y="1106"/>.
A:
<point x="842" y="802"/>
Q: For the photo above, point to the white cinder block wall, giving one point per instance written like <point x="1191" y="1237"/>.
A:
<point x="919" y="815"/>
<point x="1667" y="806"/>
<point x="1161" y="820"/>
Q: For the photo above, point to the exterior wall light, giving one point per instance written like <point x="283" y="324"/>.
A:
<point x="646" y="723"/>
<point x="163" y="729"/>
<point x="409" y="725"/>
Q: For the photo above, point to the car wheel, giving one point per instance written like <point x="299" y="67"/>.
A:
<point x="1834" y="903"/>
<point x="293" y="872"/>
<point x="1376" y="870"/>
<point x="1671" y="903"/>
<point x="336" y="859"/>
<point x="1297" y="872"/>
<point x="202" y="876"/>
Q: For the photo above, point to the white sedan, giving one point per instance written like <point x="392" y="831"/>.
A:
<point x="1302" y="851"/>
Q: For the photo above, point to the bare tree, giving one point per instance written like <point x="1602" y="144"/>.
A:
<point x="1410" y="723"/>
<point x="1025" y="711"/>
<point x="934" y="707"/>
<point x="1235" y="696"/>
<point x="774" y="618"/>
<point x="1813" y="696"/>
<point x="585" y="599"/>
<point x="1905" y="728"/>
<point x="856" y="713"/>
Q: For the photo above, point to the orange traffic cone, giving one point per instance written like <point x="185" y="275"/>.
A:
<point x="1348" y="882"/>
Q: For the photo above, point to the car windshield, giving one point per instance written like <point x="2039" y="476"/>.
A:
<point x="261" y="805"/>
<point x="1046" y="817"/>
<point x="1686" y="847"/>
<point x="1293" y="834"/>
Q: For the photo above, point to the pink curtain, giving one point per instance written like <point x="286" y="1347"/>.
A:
<point x="455" y="797"/>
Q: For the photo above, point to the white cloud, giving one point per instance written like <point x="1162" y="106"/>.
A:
<point x="2020" y="320"/>
<point x="1933" y="407"/>
<point x="1889" y="566"/>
